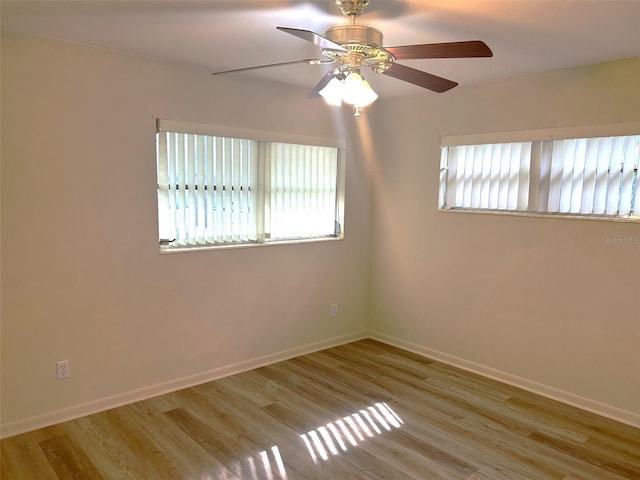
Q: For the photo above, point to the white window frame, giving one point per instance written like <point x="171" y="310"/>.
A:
<point x="259" y="138"/>
<point x="537" y="139"/>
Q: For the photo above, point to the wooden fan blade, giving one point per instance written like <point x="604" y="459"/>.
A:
<point x="420" y="78"/>
<point x="313" y="37"/>
<point x="308" y="61"/>
<point x="473" y="48"/>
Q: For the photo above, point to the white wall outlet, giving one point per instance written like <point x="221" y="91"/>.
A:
<point x="334" y="310"/>
<point x="63" y="370"/>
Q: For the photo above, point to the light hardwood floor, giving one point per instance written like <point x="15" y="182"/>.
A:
<point x="364" y="410"/>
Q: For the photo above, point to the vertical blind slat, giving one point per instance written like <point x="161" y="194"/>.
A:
<point x="566" y="158"/>
<point x="485" y="178"/>
<point x="200" y="192"/>
<point x="577" y="184"/>
<point x="468" y="177"/>
<point x="588" y="202"/>
<point x="218" y="183"/>
<point x="636" y="175"/>
<point x="171" y="169"/>
<point x="187" y="157"/>
<point x="476" y="179"/>
<point x="210" y="183"/>
<point x="494" y="189"/>
<point x="229" y="171"/>
<point x="555" y="177"/>
<point x="181" y="197"/>
<point x="627" y="174"/>
<point x="514" y="177"/>
<point x="523" y="176"/>
<point x="503" y="182"/>
<point x="613" y="177"/>
<point x="449" y="169"/>
<point x="602" y="176"/>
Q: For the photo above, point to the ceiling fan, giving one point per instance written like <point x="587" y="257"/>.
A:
<point x="352" y="47"/>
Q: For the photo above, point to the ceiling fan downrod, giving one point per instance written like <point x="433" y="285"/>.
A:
<point x="352" y="8"/>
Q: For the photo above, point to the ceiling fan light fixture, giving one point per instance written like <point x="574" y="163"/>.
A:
<point x="353" y="90"/>
<point x="357" y="91"/>
<point x="332" y="92"/>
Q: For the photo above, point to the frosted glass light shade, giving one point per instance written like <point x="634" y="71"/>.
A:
<point x="332" y="92"/>
<point x="366" y="95"/>
<point x="352" y="86"/>
<point x="357" y="91"/>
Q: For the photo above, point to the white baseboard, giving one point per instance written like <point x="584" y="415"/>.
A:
<point x="599" y="408"/>
<point x="76" y="411"/>
<point x="57" y="416"/>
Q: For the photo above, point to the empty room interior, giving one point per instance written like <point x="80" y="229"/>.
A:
<point x="421" y="338"/>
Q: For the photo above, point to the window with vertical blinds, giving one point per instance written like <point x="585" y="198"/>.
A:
<point x="592" y="176"/>
<point x="223" y="190"/>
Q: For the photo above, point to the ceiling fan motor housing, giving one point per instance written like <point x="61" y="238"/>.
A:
<point x="342" y="34"/>
<point x="364" y="47"/>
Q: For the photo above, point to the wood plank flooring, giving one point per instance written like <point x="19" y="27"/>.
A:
<point x="364" y="410"/>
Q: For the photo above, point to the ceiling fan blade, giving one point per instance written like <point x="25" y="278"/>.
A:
<point x="313" y="37"/>
<point x="308" y="61"/>
<point x="473" y="48"/>
<point x="420" y="78"/>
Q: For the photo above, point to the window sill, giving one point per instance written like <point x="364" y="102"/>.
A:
<point x="564" y="216"/>
<point x="231" y="246"/>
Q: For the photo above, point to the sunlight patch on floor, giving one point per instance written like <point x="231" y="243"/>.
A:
<point x="265" y="465"/>
<point x="336" y="437"/>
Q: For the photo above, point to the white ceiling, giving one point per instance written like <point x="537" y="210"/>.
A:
<point x="526" y="36"/>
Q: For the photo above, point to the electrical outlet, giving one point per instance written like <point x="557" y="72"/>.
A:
<point x="334" y="310"/>
<point x="63" y="369"/>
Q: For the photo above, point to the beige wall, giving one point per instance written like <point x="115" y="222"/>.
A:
<point x="542" y="303"/>
<point x="82" y="278"/>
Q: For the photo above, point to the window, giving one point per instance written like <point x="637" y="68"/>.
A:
<point x="590" y="176"/>
<point x="233" y="190"/>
